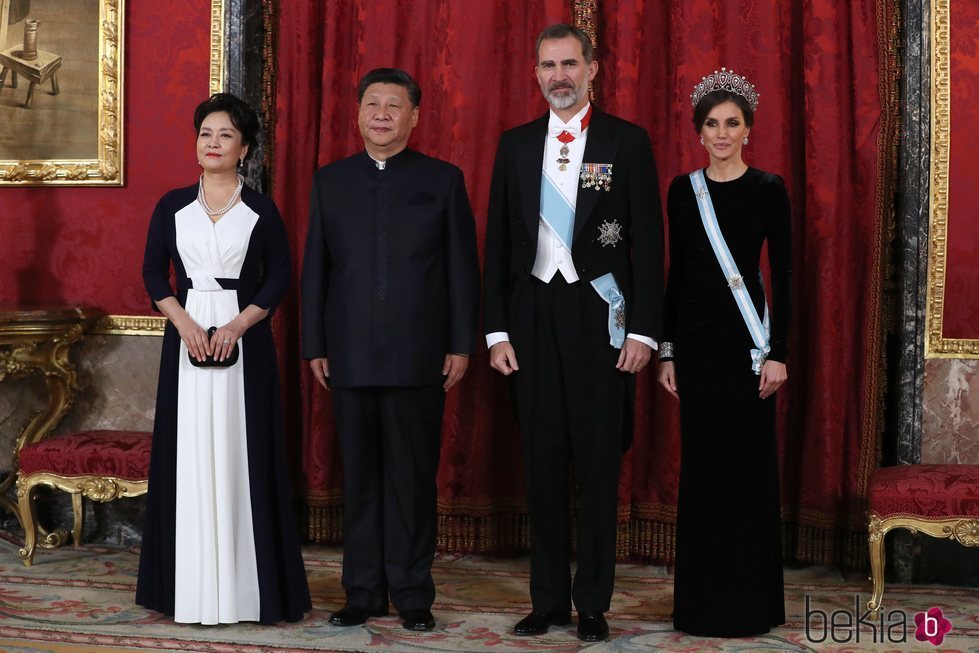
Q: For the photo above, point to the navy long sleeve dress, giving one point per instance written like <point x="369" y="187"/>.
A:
<point x="220" y="543"/>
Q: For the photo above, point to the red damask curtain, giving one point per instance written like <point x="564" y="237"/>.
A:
<point x="826" y="122"/>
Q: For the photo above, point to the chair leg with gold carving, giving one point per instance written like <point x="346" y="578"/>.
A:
<point x="875" y="541"/>
<point x="78" y="512"/>
<point x="28" y="517"/>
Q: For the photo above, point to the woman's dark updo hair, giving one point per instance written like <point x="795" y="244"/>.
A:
<point x="714" y="98"/>
<point x="243" y="117"/>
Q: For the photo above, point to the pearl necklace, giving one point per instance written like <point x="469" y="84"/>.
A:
<point x="226" y="207"/>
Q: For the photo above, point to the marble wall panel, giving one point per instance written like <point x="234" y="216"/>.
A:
<point x="950" y="428"/>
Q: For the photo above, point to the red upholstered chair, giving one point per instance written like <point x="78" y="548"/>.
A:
<point x="938" y="500"/>
<point x="101" y="465"/>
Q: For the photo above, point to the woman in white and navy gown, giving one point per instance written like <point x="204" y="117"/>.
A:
<point x="220" y="543"/>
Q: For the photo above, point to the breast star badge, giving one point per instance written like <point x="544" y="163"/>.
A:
<point x="610" y="233"/>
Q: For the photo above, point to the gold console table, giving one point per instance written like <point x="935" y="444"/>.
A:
<point x="37" y="340"/>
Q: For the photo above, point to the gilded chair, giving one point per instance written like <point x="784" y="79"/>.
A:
<point x="100" y="465"/>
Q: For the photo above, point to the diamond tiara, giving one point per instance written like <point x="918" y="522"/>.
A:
<point x="725" y="80"/>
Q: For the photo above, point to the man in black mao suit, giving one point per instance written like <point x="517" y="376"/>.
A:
<point x="390" y="311"/>
<point x="572" y="297"/>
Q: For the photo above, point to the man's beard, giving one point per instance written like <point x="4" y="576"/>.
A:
<point x="564" y="101"/>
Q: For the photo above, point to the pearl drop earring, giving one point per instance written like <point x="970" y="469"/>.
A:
<point x="701" y="140"/>
<point x="744" y="140"/>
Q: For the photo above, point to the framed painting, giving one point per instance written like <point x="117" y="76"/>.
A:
<point x="61" y="92"/>
<point x="952" y="329"/>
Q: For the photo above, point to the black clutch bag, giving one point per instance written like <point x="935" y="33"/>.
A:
<point x="209" y="361"/>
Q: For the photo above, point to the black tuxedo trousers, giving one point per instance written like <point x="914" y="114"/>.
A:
<point x="389" y="444"/>
<point x="570" y="400"/>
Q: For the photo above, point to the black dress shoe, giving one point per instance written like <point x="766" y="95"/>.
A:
<point x="351" y="615"/>
<point x="537" y="623"/>
<point x="592" y="626"/>
<point x="420" y="619"/>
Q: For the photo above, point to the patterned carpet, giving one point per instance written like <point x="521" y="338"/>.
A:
<point x="81" y="601"/>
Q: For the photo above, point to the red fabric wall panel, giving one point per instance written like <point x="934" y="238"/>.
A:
<point x="961" y="316"/>
<point x="85" y="245"/>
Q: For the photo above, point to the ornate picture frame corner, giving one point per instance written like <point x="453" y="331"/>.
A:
<point x="937" y="345"/>
<point x="107" y="167"/>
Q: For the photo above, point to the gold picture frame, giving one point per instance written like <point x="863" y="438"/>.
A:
<point x="106" y="167"/>
<point x="936" y="344"/>
<point x="148" y="325"/>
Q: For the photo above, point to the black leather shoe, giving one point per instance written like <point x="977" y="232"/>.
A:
<point x="537" y="623"/>
<point x="350" y="615"/>
<point x="420" y="619"/>
<point x="592" y="626"/>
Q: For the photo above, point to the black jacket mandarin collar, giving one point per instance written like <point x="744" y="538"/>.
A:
<point x="391" y="163"/>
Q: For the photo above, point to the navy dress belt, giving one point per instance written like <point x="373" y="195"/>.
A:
<point x="227" y="284"/>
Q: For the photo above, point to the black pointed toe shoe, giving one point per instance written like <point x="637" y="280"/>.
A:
<point x="537" y="623"/>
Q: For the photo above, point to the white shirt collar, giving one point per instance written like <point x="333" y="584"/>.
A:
<point x="555" y="125"/>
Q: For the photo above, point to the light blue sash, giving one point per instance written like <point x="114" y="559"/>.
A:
<point x="609" y="291"/>
<point x="556" y="211"/>
<point x="758" y="329"/>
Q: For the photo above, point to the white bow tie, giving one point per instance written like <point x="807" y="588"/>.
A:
<point x="555" y="128"/>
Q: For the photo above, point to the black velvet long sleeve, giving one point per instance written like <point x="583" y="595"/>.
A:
<point x="698" y="305"/>
<point x="778" y="225"/>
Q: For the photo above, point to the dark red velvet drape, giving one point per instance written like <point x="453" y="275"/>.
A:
<point x="824" y="123"/>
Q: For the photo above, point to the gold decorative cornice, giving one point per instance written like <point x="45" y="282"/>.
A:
<point x="217" y="47"/>
<point x="130" y="325"/>
<point x="107" y="168"/>
<point x="936" y="344"/>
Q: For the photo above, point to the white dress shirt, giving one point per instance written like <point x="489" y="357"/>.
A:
<point x="552" y="254"/>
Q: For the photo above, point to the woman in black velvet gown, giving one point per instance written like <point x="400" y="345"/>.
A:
<point x="728" y="580"/>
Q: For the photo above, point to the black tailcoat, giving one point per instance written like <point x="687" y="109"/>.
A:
<point x="573" y="405"/>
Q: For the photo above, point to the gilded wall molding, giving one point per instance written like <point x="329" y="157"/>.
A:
<point x="130" y="325"/>
<point x="107" y="168"/>
<point x="217" y="47"/>
<point x="269" y="36"/>
<point x="936" y="345"/>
